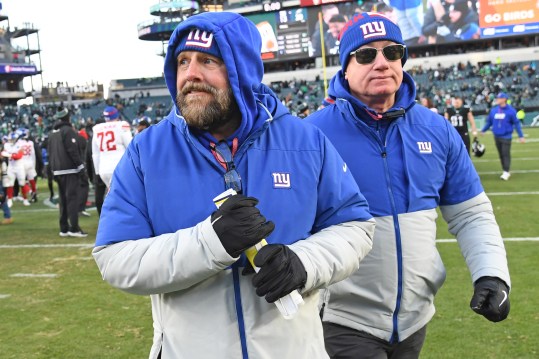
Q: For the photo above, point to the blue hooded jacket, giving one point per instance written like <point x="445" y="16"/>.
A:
<point x="155" y="234"/>
<point x="407" y="162"/>
<point x="189" y="173"/>
<point x="503" y="121"/>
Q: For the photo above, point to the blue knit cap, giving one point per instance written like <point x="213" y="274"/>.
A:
<point x="198" y="40"/>
<point x="365" y="28"/>
<point x="111" y="113"/>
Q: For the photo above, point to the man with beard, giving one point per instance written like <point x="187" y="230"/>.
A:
<point x="160" y="234"/>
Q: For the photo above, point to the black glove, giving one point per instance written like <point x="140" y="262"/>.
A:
<point x="239" y="224"/>
<point x="491" y="298"/>
<point x="281" y="271"/>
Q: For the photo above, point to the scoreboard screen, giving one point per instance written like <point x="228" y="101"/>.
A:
<point x="285" y="34"/>
<point x="292" y="33"/>
<point x="296" y="33"/>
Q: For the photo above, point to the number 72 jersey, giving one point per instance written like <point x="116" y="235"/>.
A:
<point x="109" y="142"/>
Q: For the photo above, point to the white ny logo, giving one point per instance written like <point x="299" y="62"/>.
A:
<point x="375" y="28"/>
<point x="199" y="38"/>
<point x="281" y="180"/>
<point x="424" y="147"/>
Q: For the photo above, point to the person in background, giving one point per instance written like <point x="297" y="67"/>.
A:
<point x="47" y="171"/>
<point x="409" y="16"/>
<point x="15" y="149"/>
<point x="407" y="161"/>
<point x="502" y="118"/>
<point x="450" y="21"/>
<point x="459" y="115"/>
<point x="143" y="123"/>
<point x="109" y="141"/>
<point x="161" y="235"/>
<point x="521" y="115"/>
<point x="428" y="103"/>
<point x="3" y="197"/>
<point x="328" y="11"/>
<point x="99" y="186"/>
<point x="84" y="190"/>
<point x="67" y="167"/>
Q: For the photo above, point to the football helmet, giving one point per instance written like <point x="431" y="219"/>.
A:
<point x="478" y="148"/>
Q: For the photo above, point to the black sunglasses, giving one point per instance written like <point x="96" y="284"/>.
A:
<point x="367" y="55"/>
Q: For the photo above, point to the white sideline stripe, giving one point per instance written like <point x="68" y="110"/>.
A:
<point x="43" y="210"/>
<point x="510" y="193"/>
<point x="72" y="259"/>
<point x="512" y="159"/>
<point x="523" y="239"/>
<point x="66" y="245"/>
<point x="4" y="296"/>
<point x="33" y="275"/>
<point x="512" y="172"/>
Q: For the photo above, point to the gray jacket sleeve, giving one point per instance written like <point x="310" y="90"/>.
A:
<point x="479" y="237"/>
<point x="166" y="263"/>
<point x="334" y="253"/>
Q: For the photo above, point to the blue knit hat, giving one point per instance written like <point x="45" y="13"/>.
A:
<point x="111" y="113"/>
<point x="365" y="28"/>
<point x="198" y="40"/>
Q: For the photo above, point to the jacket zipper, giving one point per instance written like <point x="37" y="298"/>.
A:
<point x="398" y="243"/>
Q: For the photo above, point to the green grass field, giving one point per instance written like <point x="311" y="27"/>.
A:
<point x="69" y="312"/>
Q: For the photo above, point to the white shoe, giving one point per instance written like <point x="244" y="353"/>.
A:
<point x="25" y="202"/>
<point x="505" y="175"/>
<point x="9" y="202"/>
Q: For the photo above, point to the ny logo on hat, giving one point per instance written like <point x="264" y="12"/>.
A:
<point x="375" y="28"/>
<point x="199" y="38"/>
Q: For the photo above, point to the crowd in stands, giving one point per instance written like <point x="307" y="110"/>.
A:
<point x="477" y="85"/>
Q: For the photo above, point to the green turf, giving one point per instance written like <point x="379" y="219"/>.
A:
<point x="77" y="315"/>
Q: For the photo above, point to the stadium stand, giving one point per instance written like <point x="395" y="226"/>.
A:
<point x="475" y="69"/>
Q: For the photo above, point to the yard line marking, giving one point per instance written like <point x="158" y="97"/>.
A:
<point x="65" y="245"/>
<point x="33" y="275"/>
<point x="59" y="259"/>
<point x="33" y="210"/>
<point x="512" y="172"/>
<point x="37" y="210"/>
<point x="510" y="193"/>
<point x="523" y="239"/>
<point x="4" y="296"/>
<point x="512" y="159"/>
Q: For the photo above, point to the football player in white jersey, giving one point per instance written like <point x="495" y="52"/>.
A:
<point x="14" y="150"/>
<point x="109" y="141"/>
<point x="28" y="158"/>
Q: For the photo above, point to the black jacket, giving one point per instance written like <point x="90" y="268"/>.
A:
<point x="64" y="153"/>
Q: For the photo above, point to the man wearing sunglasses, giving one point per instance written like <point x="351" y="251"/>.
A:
<point x="161" y="235"/>
<point x="408" y="161"/>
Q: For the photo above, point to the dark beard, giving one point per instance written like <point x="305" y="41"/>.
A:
<point x="207" y="116"/>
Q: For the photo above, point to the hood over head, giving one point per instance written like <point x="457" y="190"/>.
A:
<point x="238" y="43"/>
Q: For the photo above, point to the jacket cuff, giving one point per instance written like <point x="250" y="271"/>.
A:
<point x="214" y="243"/>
